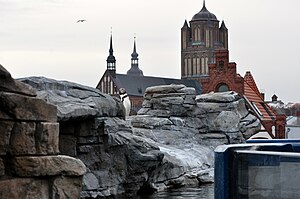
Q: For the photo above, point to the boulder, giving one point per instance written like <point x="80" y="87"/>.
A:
<point x="75" y="101"/>
<point x="47" y="166"/>
<point x="168" y="100"/>
<point x="8" y="84"/>
<point x="30" y="166"/>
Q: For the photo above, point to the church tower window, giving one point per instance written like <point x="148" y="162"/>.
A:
<point x="189" y="67"/>
<point x="207" y="39"/>
<point x="194" y="66"/>
<point x="198" y="66"/>
<point x="202" y="66"/>
<point x="206" y="66"/>
<point x="185" y="67"/>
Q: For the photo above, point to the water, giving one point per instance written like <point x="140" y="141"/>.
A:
<point x="203" y="192"/>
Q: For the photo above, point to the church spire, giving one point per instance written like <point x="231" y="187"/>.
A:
<point x="134" y="70"/>
<point x="134" y="55"/>
<point x="204" y="7"/>
<point x="111" y="60"/>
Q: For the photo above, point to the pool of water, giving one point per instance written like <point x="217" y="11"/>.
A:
<point x="203" y="192"/>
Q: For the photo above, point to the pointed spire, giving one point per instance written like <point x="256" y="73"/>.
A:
<point x="111" y="50"/>
<point x="204" y="7"/>
<point x="185" y="25"/>
<point x="111" y="60"/>
<point x="223" y="25"/>
<point x="134" y="70"/>
<point x="134" y="54"/>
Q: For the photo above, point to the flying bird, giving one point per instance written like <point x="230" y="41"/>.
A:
<point x="81" y="20"/>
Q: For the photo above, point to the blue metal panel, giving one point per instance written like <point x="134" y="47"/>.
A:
<point x="255" y="153"/>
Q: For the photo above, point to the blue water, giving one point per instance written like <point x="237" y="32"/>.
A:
<point x="203" y="192"/>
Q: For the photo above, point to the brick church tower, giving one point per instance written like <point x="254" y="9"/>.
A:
<point x="199" y="41"/>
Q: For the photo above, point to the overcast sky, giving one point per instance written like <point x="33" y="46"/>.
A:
<point x="42" y="38"/>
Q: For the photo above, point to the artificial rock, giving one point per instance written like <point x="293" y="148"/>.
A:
<point x="168" y="144"/>
<point x="30" y="166"/>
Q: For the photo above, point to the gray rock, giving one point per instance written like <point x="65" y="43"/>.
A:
<point x="189" y="140"/>
<point x="2" y="167"/>
<point x="168" y="144"/>
<point x="47" y="137"/>
<point x="31" y="138"/>
<point x="22" y="141"/>
<point x="235" y="137"/>
<point x="24" y="188"/>
<point x="28" y="142"/>
<point x="90" y="182"/>
<point x="206" y="176"/>
<point x="22" y="107"/>
<point x="229" y="96"/>
<point x="66" y="187"/>
<point x="5" y="129"/>
<point x="75" y="101"/>
<point x="188" y="90"/>
<point x="173" y="88"/>
<point x="8" y="84"/>
<point x="47" y="166"/>
<point x="68" y="144"/>
<point x="149" y="122"/>
<point x="225" y="121"/>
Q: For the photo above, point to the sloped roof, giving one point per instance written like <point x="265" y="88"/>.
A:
<point x="261" y="108"/>
<point x="250" y="81"/>
<point x="136" y="85"/>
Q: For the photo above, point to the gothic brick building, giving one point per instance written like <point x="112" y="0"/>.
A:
<point x="204" y="65"/>
<point x="222" y="76"/>
<point x="199" y="41"/>
<point x="134" y="82"/>
<point x="205" y="58"/>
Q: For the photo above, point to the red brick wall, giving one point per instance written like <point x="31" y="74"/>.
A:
<point x="223" y="74"/>
<point x="280" y="126"/>
<point x="136" y="103"/>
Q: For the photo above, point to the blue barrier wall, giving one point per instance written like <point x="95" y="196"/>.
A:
<point x="258" y="169"/>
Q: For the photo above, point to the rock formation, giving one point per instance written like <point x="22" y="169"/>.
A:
<point x="186" y="128"/>
<point x="30" y="164"/>
<point x="215" y="116"/>
<point x="168" y="144"/>
<point x="92" y="128"/>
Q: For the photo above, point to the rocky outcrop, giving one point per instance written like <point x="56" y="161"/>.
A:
<point x="168" y="144"/>
<point x="186" y="128"/>
<point x="92" y="129"/>
<point x="30" y="166"/>
<point x="74" y="101"/>
<point x="222" y="116"/>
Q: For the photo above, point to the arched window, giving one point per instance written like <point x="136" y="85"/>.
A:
<point x="222" y="87"/>
<point x="197" y="33"/>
